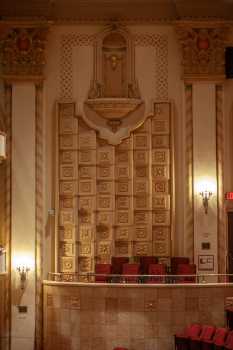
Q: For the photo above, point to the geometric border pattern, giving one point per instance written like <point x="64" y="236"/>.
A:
<point x="69" y="41"/>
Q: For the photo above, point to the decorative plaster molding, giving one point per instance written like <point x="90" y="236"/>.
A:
<point x="203" y="48"/>
<point x="23" y="52"/>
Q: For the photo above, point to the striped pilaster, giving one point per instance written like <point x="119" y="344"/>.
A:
<point x="220" y="189"/>
<point x="39" y="215"/>
<point x="189" y="223"/>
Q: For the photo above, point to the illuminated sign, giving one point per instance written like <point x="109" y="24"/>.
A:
<point x="229" y="196"/>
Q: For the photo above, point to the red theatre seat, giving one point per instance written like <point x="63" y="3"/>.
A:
<point x="218" y="340"/>
<point x="145" y="262"/>
<point x="175" y="261"/>
<point x="182" y="339"/>
<point x="186" y="270"/>
<point x="156" y="269"/>
<point x="117" y="264"/>
<point x="229" y="341"/>
<point x="103" y="270"/>
<point x="207" y="334"/>
<point x="130" y="269"/>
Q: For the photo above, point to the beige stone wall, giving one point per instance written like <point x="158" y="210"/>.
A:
<point x="100" y="317"/>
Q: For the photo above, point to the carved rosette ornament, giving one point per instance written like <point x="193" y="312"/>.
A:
<point x="22" y="52"/>
<point x="203" y="50"/>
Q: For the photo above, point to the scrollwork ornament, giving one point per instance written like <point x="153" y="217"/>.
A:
<point x="203" y="50"/>
<point x="22" y="51"/>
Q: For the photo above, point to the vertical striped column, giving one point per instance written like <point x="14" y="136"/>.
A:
<point x="189" y="228"/>
<point x="220" y="156"/>
<point x="39" y="213"/>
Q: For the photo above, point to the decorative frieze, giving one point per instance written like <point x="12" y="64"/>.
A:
<point x="203" y="50"/>
<point x="23" y="51"/>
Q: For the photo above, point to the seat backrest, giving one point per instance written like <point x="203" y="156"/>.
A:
<point x="117" y="264"/>
<point x="176" y="260"/>
<point x="102" y="269"/>
<point x="229" y="341"/>
<point x="186" y="269"/>
<point x="207" y="332"/>
<point x="194" y="330"/>
<point x="220" y="336"/>
<point x="145" y="261"/>
<point x="130" y="269"/>
<point x="157" y="269"/>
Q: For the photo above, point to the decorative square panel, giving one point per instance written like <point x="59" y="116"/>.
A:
<point x="68" y="188"/>
<point x="141" y="217"/>
<point x="123" y="188"/>
<point x="160" y="126"/>
<point x="86" y="187"/>
<point x="105" y="218"/>
<point x="87" y="172"/>
<point x="67" y="125"/>
<point x="123" y="171"/>
<point x="123" y="202"/>
<point x="87" y="140"/>
<point x="86" y="218"/>
<point x="162" y="110"/>
<point x="105" y="172"/>
<point x="141" y="186"/>
<point x="75" y="302"/>
<point x="105" y="155"/>
<point x="67" y="203"/>
<point x="85" y="265"/>
<point x="142" y="233"/>
<point x="85" y="233"/>
<point x="123" y="233"/>
<point x="141" y="172"/>
<point x="141" y="202"/>
<point x="160" y="141"/>
<point x="141" y="157"/>
<point x="66" y="109"/>
<point x="161" y="218"/>
<point x="160" y="156"/>
<point x="105" y="203"/>
<point x="67" y="249"/>
<point x="105" y="187"/>
<point x="87" y="157"/>
<point x="142" y="249"/>
<point x="160" y="187"/>
<point x="103" y="232"/>
<point x="123" y="249"/>
<point x="104" y="248"/>
<point x="160" y="171"/>
<point x="161" y="202"/>
<point x="67" y="217"/>
<point x="86" y="203"/>
<point x="85" y="249"/>
<point x="67" y="233"/>
<point x="123" y="156"/>
<point x="68" y="172"/>
<point x="141" y="141"/>
<point x="67" y="264"/>
<point x="68" y="157"/>
<point x="68" y="142"/>
<point x="161" y="249"/>
<point x="160" y="233"/>
<point x="123" y="217"/>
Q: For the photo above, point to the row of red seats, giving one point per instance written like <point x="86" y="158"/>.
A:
<point x="102" y="272"/>
<point x="197" y="337"/>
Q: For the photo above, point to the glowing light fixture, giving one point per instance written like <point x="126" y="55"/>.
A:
<point x="2" y="146"/>
<point x="23" y="264"/>
<point x="206" y="188"/>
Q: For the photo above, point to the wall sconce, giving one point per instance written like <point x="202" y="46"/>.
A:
<point x="23" y="272"/>
<point x="2" y="146"/>
<point x="205" y="199"/>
